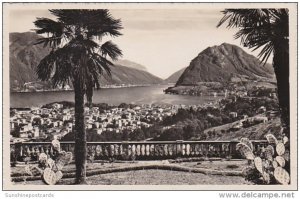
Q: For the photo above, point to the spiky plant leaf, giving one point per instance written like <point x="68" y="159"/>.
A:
<point x="271" y="139"/>
<point x="28" y="170"/>
<point x="245" y="151"/>
<point x="63" y="159"/>
<point x="247" y="142"/>
<point x="275" y="164"/>
<point x="285" y="139"/>
<point x="56" y="145"/>
<point x="258" y="164"/>
<point x="43" y="157"/>
<point x="286" y="155"/>
<point x="49" y="177"/>
<point x="269" y="152"/>
<point x="282" y="176"/>
<point x="50" y="163"/>
<point x="280" y="148"/>
<point x="266" y="164"/>
<point x="266" y="177"/>
<point x="59" y="175"/>
<point x="280" y="161"/>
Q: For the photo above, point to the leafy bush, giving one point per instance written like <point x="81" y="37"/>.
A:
<point x="270" y="165"/>
<point x="50" y="169"/>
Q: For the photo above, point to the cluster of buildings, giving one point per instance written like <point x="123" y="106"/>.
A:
<point x="57" y="121"/>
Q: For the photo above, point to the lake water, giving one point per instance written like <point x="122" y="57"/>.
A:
<point x="136" y="95"/>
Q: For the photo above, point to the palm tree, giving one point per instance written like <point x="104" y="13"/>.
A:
<point x="267" y="29"/>
<point x="79" y="58"/>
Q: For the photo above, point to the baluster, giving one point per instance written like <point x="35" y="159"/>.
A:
<point x="152" y="150"/>
<point x="205" y="149"/>
<point x="38" y="151"/>
<point x="183" y="149"/>
<point x="121" y="149"/>
<point x="28" y="151"/>
<point x="192" y="149"/>
<point x="143" y="152"/>
<point x="133" y="150"/>
<point x="21" y="151"/>
<point x="138" y="150"/>
<point x="178" y="152"/>
<point x="188" y="149"/>
<point x="170" y="149"/>
<point x="116" y="149"/>
<point x="125" y="149"/>
<point x="166" y="150"/>
<point x="94" y="149"/>
<point x="147" y="149"/>
<point x="156" y="150"/>
<point x="111" y="150"/>
<point x="129" y="150"/>
<point x="98" y="150"/>
<point x="106" y="150"/>
<point x="42" y="149"/>
<point x="219" y="150"/>
<point x="174" y="151"/>
<point x="197" y="149"/>
<point x="210" y="151"/>
<point x="47" y="150"/>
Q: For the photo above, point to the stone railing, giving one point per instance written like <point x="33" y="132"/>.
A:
<point x="148" y="150"/>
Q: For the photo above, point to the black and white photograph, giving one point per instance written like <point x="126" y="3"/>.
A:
<point x="199" y="96"/>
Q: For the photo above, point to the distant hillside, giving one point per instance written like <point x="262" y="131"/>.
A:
<point x="175" y="76"/>
<point x="25" y="56"/>
<point x="130" y="64"/>
<point x="224" y="63"/>
<point x="128" y="75"/>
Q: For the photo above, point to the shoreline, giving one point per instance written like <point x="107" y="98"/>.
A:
<point x="106" y="87"/>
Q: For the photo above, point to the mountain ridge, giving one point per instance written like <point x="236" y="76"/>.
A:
<point x="24" y="56"/>
<point x="224" y="63"/>
<point x="173" y="78"/>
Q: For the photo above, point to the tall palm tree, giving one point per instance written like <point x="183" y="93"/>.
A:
<point x="267" y="29"/>
<point x="78" y="57"/>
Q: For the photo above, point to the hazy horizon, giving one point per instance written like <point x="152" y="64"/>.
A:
<point x="164" y="41"/>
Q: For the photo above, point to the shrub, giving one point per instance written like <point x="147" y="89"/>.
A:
<point x="270" y="165"/>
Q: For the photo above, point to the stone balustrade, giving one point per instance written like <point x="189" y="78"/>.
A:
<point x="137" y="150"/>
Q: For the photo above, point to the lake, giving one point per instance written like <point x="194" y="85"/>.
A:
<point x="136" y="95"/>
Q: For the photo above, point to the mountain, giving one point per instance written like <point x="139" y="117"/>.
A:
<point x="175" y="76"/>
<point x="24" y="56"/>
<point x="128" y="75"/>
<point x="130" y="64"/>
<point x="223" y="63"/>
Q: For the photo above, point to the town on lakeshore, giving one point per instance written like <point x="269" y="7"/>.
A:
<point x="56" y="120"/>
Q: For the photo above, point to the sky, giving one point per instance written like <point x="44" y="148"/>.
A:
<point x="163" y="40"/>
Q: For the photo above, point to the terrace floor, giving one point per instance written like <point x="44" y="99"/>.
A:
<point x="153" y="176"/>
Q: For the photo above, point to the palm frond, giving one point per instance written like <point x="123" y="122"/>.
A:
<point x="49" y="26"/>
<point x="75" y="54"/>
<point x="258" y="28"/>
<point x="110" y="49"/>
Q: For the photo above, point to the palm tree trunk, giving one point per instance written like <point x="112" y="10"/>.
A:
<point x="89" y="96"/>
<point x="80" y="134"/>
<point x="281" y="68"/>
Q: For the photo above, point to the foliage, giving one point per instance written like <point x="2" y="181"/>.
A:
<point x="259" y="28"/>
<point x="267" y="165"/>
<point x="268" y="30"/>
<point x="50" y="169"/>
<point x="79" y="57"/>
